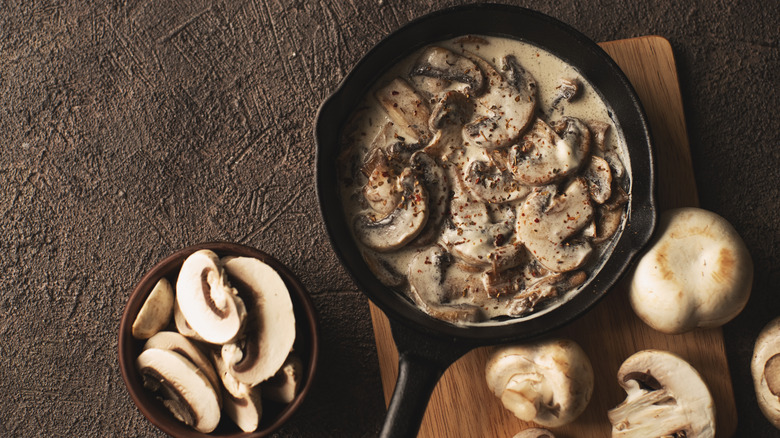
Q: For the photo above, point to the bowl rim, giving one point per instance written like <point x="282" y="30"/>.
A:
<point x="574" y="48"/>
<point x="303" y="306"/>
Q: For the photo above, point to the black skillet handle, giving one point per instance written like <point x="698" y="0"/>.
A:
<point x="421" y="362"/>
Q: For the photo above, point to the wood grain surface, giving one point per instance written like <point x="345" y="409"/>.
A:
<point x="462" y="406"/>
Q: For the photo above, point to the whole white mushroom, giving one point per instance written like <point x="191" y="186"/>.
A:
<point x="697" y="273"/>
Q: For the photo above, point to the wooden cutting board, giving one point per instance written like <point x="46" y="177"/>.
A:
<point x="463" y="407"/>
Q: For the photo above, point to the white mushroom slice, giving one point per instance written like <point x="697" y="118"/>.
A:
<point x="185" y="390"/>
<point x="665" y="397"/>
<point x="696" y="273"/>
<point x="178" y="343"/>
<point x="535" y="433"/>
<point x="156" y="311"/>
<point x="428" y="291"/>
<point x="544" y="156"/>
<point x="208" y="303"/>
<point x="285" y="384"/>
<point x="381" y="190"/>
<point x="546" y="222"/>
<point x="599" y="179"/>
<point x="507" y="107"/>
<point x="243" y="403"/>
<point x="765" y="368"/>
<point x="491" y="184"/>
<point x="437" y="187"/>
<point x="548" y="382"/>
<point x="270" y="329"/>
<point x="402" y="225"/>
<point x="446" y="67"/>
<point x="407" y="109"/>
<point x="182" y="325"/>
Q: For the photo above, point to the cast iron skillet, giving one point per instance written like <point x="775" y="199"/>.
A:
<point x="427" y="346"/>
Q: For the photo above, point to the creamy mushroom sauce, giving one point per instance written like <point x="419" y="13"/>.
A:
<point x="450" y="240"/>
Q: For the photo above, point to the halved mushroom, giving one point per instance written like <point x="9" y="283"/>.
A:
<point x="506" y="109"/>
<point x="211" y="307"/>
<point x="546" y="155"/>
<point x="285" y="384"/>
<point x="535" y="433"/>
<point x="243" y="403"/>
<point x="270" y="329"/>
<point x="427" y="289"/>
<point x="156" y="311"/>
<point x="403" y="224"/>
<point x="546" y="223"/>
<point x="184" y="389"/>
<point x="178" y="343"/>
<point x="548" y="382"/>
<point x="599" y="179"/>
<point x="697" y="273"/>
<point x="765" y="368"/>
<point x="491" y="184"/>
<point x="446" y="67"/>
<point x="407" y="109"/>
<point x="665" y="397"/>
<point x="437" y="187"/>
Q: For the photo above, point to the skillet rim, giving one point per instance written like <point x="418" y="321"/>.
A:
<point x="571" y="46"/>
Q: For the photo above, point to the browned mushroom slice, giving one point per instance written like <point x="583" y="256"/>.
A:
<point x="446" y="66"/>
<point x="428" y="290"/>
<point x="607" y="224"/>
<point x="381" y="191"/>
<point x="599" y="179"/>
<point x="505" y="110"/>
<point x="437" y="186"/>
<point x="407" y="109"/>
<point x="493" y="185"/>
<point x="545" y="156"/>
<point x="403" y="224"/>
<point x="546" y="222"/>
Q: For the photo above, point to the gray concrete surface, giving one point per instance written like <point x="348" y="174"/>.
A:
<point x="130" y="129"/>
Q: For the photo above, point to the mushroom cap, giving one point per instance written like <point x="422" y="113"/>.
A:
<point x="178" y="343"/>
<point x="664" y="395"/>
<point x="208" y="303"/>
<point x="186" y="390"/>
<point x="548" y="382"/>
<point x="156" y="311"/>
<point x="270" y="329"/>
<point x="697" y="273"/>
<point x="765" y="368"/>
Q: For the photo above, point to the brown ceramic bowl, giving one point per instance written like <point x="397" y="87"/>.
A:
<point x="306" y="344"/>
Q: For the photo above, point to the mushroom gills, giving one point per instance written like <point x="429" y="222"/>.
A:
<point x="446" y="67"/>
<point x="184" y="389"/>
<point x="437" y="186"/>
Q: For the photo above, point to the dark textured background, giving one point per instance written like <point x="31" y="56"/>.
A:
<point x="131" y="129"/>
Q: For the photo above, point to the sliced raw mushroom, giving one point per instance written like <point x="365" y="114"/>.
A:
<point x="491" y="184"/>
<point x="427" y="289"/>
<point x="505" y="110"/>
<point x="156" y="311"/>
<point x="403" y="224"/>
<point x="243" y="403"/>
<point x="184" y="389"/>
<point x="535" y="433"/>
<point x="407" y="109"/>
<point x="599" y="179"/>
<point x="696" y="273"/>
<point x="665" y="397"/>
<point x="178" y="343"/>
<point x="765" y="368"/>
<point x="546" y="223"/>
<point x="545" y="156"/>
<point x="211" y="307"/>
<point x="182" y="325"/>
<point x="285" y="384"/>
<point x="381" y="191"/>
<point x="437" y="187"/>
<point x="548" y="382"/>
<point x="270" y="326"/>
<point x="446" y="67"/>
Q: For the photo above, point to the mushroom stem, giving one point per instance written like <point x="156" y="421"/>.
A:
<point x="650" y="414"/>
